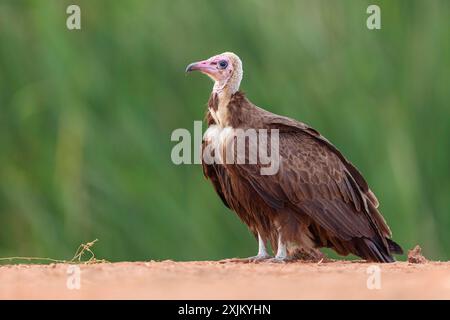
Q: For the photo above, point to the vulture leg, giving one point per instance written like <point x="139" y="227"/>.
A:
<point x="262" y="250"/>
<point x="281" y="255"/>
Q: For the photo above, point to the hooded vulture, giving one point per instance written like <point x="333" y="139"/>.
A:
<point x="316" y="198"/>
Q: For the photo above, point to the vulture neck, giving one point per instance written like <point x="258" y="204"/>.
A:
<point x="218" y="107"/>
<point x="221" y="94"/>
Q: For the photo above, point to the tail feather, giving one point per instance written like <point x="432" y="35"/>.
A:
<point x="372" y="250"/>
<point x="394" y="247"/>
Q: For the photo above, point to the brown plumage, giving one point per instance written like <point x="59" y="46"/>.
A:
<point x="316" y="199"/>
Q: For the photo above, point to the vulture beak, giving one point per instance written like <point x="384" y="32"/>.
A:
<point x="204" y="66"/>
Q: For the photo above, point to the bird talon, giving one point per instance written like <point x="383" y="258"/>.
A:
<point x="277" y="260"/>
<point x="259" y="258"/>
<point x="255" y="259"/>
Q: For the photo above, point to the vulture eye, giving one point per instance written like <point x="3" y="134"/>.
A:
<point x="223" y="64"/>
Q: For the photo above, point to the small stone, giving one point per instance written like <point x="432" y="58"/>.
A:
<point x="415" y="255"/>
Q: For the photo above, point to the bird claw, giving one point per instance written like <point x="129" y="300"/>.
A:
<point x="278" y="260"/>
<point x="255" y="259"/>
<point x="259" y="258"/>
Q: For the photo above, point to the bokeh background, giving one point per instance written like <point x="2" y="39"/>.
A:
<point x="86" y="116"/>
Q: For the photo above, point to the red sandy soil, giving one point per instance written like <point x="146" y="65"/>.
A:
<point x="227" y="280"/>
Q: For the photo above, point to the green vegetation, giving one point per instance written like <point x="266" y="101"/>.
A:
<point x="86" y="116"/>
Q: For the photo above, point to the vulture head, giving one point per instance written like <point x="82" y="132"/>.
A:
<point x="224" y="69"/>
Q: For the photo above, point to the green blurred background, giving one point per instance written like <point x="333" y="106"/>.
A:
<point x="86" y="116"/>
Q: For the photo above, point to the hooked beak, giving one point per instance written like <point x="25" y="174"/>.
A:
<point x="202" y="66"/>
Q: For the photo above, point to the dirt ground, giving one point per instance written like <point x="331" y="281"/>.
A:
<point x="227" y="280"/>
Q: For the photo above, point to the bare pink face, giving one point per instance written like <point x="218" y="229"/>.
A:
<point x="219" y="67"/>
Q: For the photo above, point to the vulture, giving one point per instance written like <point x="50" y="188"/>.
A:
<point x="315" y="199"/>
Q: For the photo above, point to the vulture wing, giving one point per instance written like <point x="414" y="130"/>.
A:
<point x="316" y="180"/>
<point x="288" y="125"/>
